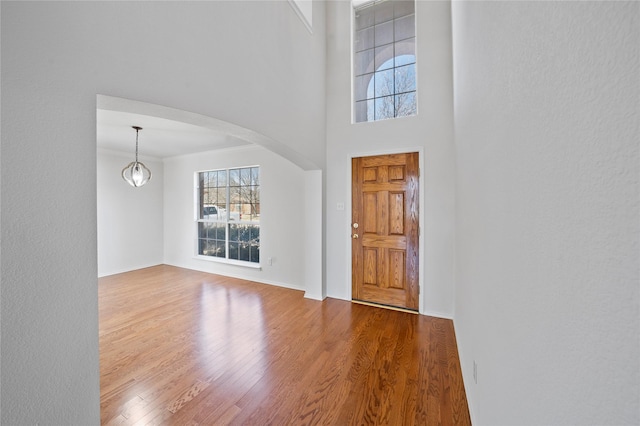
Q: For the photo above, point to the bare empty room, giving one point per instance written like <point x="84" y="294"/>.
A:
<point x="350" y="212"/>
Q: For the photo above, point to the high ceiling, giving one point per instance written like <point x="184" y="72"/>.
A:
<point x="160" y="137"/>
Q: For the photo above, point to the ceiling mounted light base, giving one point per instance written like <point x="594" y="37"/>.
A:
<point x="136" y="173"/>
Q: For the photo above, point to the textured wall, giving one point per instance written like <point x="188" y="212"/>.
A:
<point x="253" y="64"/>
<point x="547" y="106"/>
<point x="130" y="220"/>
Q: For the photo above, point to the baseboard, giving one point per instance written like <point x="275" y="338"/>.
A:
<point x="437" y="314"/>
<point x="122" y="271"/>
<point x="313" y="296"/>
<point x="464" y="382"/>
<point x="241" y="277"/>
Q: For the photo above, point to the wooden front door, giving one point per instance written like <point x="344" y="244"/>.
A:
<point x="384" y="230"/>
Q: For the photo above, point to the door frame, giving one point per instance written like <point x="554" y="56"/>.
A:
<point x="348" y="209"/>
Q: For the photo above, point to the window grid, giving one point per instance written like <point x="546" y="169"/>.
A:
<point x="384" y="56"/>
<point x="228" y="219"/>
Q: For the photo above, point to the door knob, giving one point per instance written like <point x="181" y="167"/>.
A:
<point x="355" y="236"/>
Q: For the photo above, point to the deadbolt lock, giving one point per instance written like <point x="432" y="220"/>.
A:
<point x="355" y="226"/>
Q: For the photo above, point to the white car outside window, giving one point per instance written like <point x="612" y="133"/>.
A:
<point x="214" y="213"/>
<point x="218" y="213"/>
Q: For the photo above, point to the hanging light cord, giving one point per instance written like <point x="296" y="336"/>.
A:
<point x="137" y="130"/>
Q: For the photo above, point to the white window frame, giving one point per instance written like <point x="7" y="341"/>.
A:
<point x="355" y="97"/>
<point x="227" y="221"/>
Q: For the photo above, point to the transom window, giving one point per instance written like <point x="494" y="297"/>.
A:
<point x="228" y="214"/>
<point x="384" y="60"/>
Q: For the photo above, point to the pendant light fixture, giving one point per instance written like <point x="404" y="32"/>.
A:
<point x="135" y="173"/>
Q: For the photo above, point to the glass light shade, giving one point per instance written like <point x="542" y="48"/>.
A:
<point x="136" y="174"/>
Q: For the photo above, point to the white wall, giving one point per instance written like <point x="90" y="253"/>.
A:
<point x="431" y="131"/>
<point x="547" y="119"/>
<point x="249" y="63"/>
<point x="282" y="222"/>
<point x="130" y="220"/>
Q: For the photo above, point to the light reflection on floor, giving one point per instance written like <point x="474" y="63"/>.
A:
<point x="234" y="317"/>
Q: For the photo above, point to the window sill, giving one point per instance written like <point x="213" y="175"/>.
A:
<point x="240" y="263"/>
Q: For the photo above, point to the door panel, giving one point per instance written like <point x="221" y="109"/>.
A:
<point x="396" y="213"/>
<point x="385" y="230"/>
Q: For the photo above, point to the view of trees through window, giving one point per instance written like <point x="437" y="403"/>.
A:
<point x="228" y="217"/>
<point x="384" y="60"/>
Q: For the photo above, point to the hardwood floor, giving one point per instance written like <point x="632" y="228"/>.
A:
<point x="181" y="347"/>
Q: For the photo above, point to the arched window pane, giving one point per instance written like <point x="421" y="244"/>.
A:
<point x="405" y="79"/>
<point x="405" y="27"/>
<point x="383" y="33"/>
<point x="364" y="18"/>
<point x="364" y="87"/>
<point x="384" y="57"/>
<point x="383" y="83"/>
<point x="383" y="11"/>
<point x="401" y="60"/>
<point x="390" y="55"/>
<point x="364" y="39"/>
<point x="363" y="62"/>
<point x="403" y="8"/>
<point x="384" y="108"/>
<point x="405" y="104"/>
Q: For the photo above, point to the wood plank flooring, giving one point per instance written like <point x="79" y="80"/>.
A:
<point x="180" y="347"/>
